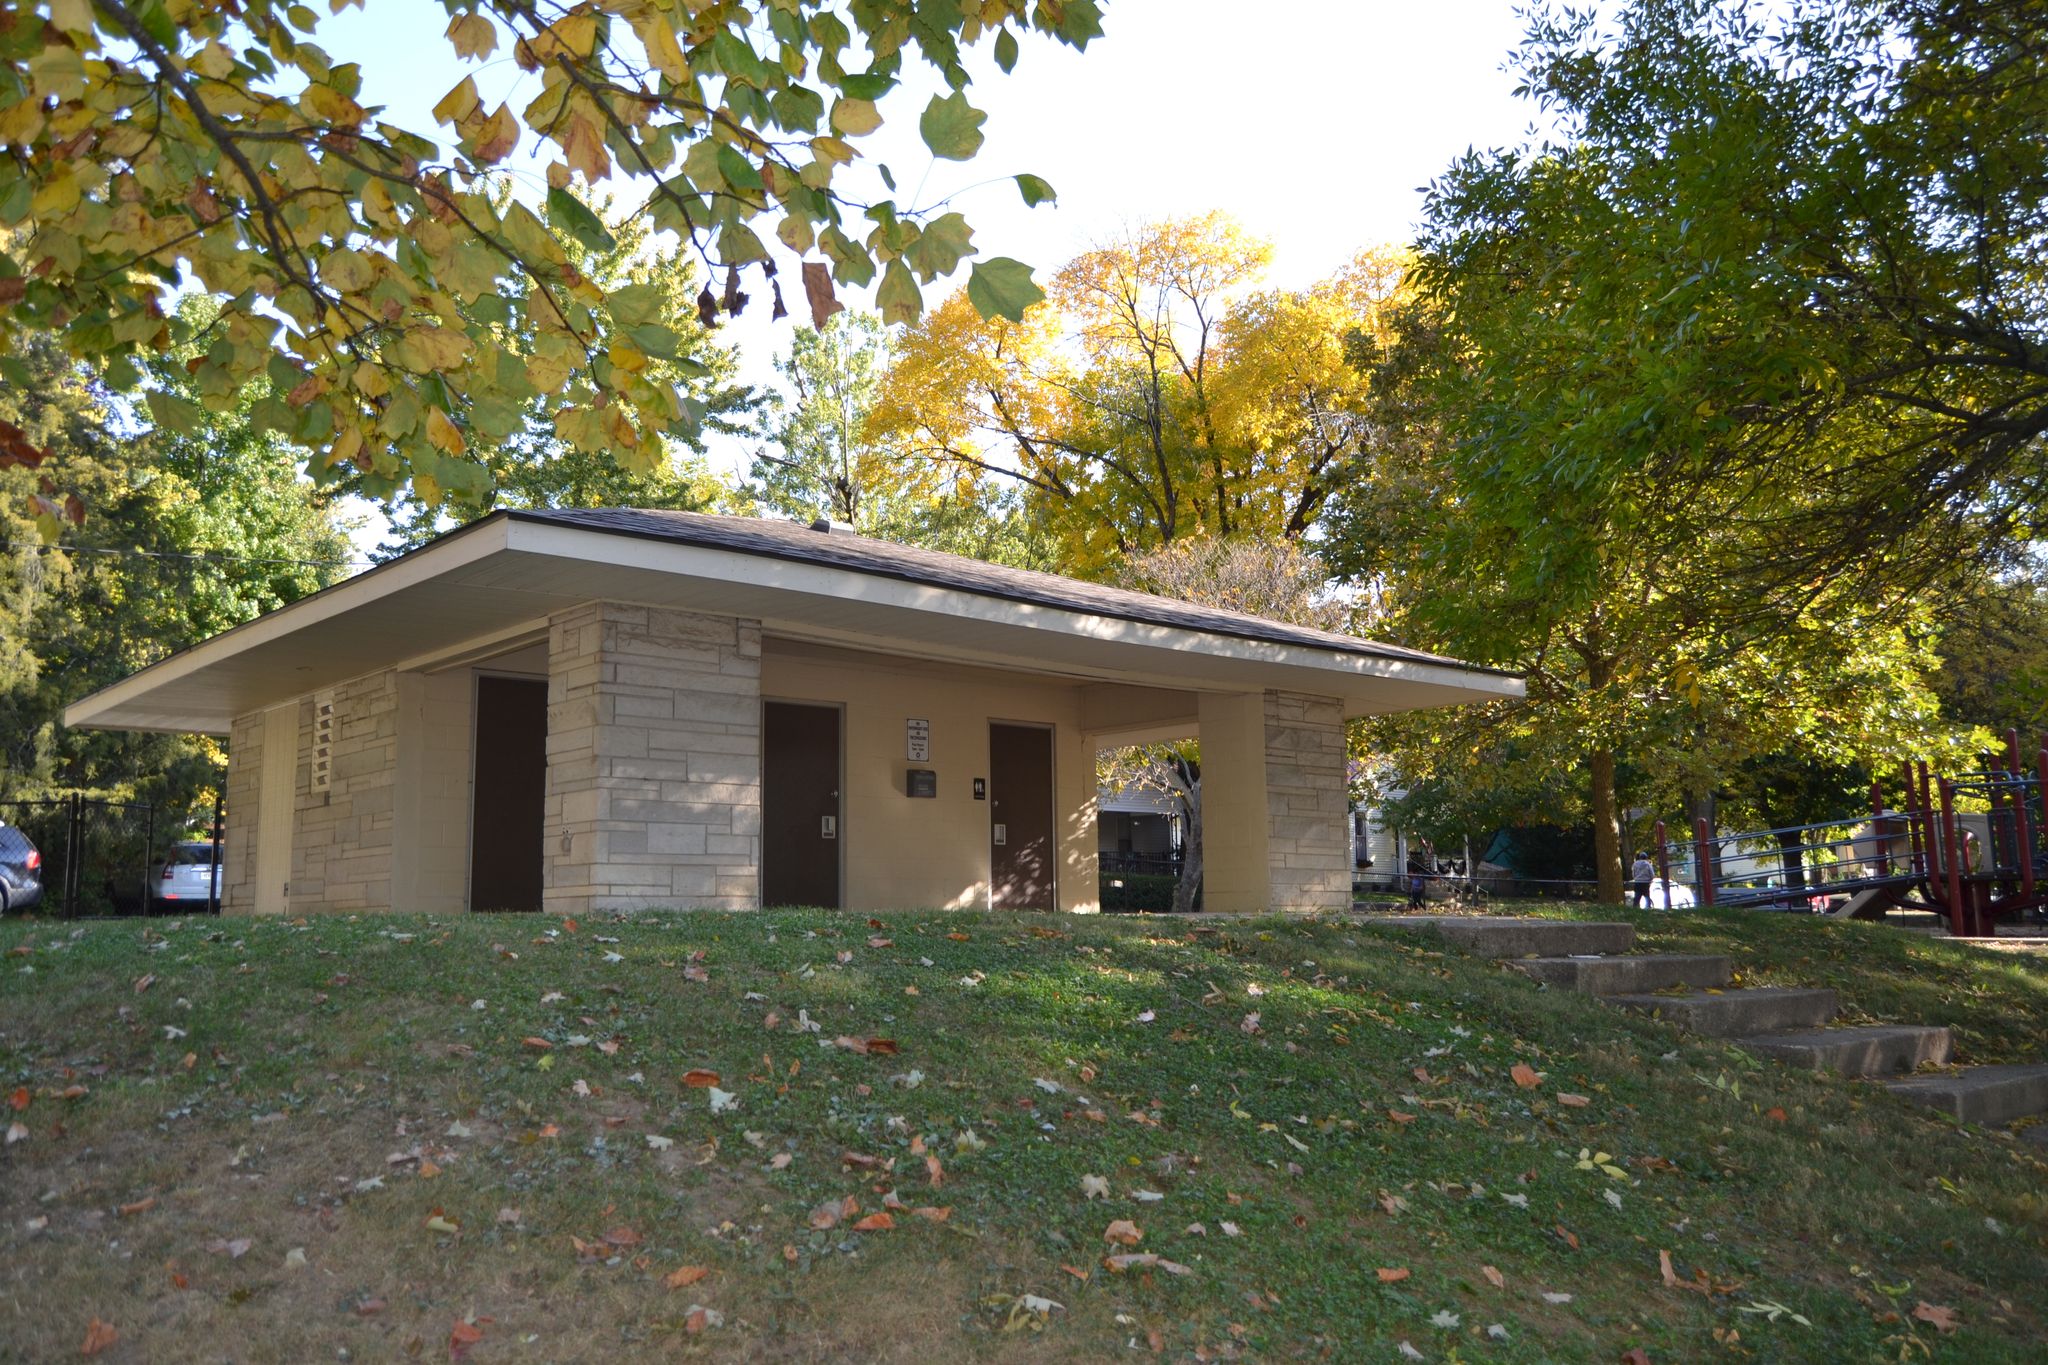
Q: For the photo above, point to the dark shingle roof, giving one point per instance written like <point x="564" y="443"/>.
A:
<point x="841" y="549"/>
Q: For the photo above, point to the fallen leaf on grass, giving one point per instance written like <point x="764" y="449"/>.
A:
<point x="1094" y="1187"/>
<point x="234" y="1250"/>
<point x="1635" y="1356"/>
<point x="700" y="1078"/>
<point x="1494" y="1277"/>
<point x="1393" y="1274"/>
<point x="1571" y="1101"/>
<point x="1938" y="1316"/>
<point x="438" y="1221"/>
<point x="1144" y="1260"/>
<point x="684" y="1276"/>
<point x="622" y="1237"/>
<point x="875" y="1222"/>
<point x="98" y="1337"/>
<point x="1775" y="1114"/>
<point x="1392" y="1203"/>
<point x="537" y="1044"/>
<point x="933" y="1215"/>
<point x="461" y="1337"/>
<point x="16" y="1132"/>
<point x="19" y="1099"/>
<point x="143" y="983"/>
<point x="1123" y="1231"/>
<point x="722" y="1100"/>
<point x="1526" y="1076"/>
<point x="139" y="1206"/>
<point x="828" y="1214"/>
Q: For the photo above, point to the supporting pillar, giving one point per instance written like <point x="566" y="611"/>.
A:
<point x="1275" y="813"/>
<point x="654" y="760"/>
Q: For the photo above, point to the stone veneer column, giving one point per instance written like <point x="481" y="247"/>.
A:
<point x="654" y="760"/>
<point x="244" y="799"/>
<point x="1308" y="802"/>
<point x="1274" y="805"/>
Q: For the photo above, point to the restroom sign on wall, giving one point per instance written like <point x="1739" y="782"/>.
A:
<point x="918" y="740"/>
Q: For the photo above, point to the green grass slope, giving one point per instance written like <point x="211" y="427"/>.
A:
<point x="386" y="1138"/>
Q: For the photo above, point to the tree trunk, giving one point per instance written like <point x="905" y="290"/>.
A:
<point x="1607" y="852"/>
<point x="1792" y="858"/>
<point x="1190" y="882"/>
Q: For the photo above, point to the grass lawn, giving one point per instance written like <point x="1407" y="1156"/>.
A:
<point x="384" y="1138"/>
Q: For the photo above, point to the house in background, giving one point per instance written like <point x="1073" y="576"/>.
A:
<point x="613" y="710"/>
<point x="1138" y="831"/>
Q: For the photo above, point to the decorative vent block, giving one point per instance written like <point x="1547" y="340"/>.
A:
<point x="323" y="741"/>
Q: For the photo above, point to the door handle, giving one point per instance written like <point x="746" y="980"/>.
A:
<point x="1002" y="835"/>
<point x="828" y="827"/>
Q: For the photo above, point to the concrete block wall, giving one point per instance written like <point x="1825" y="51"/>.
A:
<point x="343" y="838"/>
<point x="244" y="804"/>
<point x="1308" y="848"/>
<point x="654" y="760"/>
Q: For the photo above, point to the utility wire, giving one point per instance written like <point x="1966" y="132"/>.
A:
<point x="202" y="556"/>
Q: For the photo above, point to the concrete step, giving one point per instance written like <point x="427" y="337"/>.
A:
<point x="1875" y="1050"/>
<point x="1981" y="1094"/>
<point x="1736" y="1014"/>
<point x="1505" y="936"/>
<point x="1626" y="975"/>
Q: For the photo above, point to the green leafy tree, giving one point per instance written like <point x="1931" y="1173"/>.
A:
<point x="192" y="533"/>
<point x="817" y="457"/>
<point x="535" y="466"/>
<point x="1769" y="247"/>
<point x="150" y="144"/>
<point x="1651" y="683"/>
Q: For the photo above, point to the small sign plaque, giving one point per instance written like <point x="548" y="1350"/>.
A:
<point x="918" y="740"/>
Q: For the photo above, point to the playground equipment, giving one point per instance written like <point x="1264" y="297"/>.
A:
<point x="1972" y="868"/>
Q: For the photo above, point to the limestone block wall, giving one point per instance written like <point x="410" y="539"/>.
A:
<point x="244" y="804"/>
<point x="1308" y="848"/>
<point x="343" y="837"/>
<point x="654" y="760"/>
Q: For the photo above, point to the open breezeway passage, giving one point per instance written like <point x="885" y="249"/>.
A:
<point x="742" y="712"/>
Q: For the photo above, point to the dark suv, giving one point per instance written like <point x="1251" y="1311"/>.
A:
<point x="21" y="871"/>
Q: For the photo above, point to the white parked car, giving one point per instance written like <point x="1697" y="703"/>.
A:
<point x="188" y="878"/>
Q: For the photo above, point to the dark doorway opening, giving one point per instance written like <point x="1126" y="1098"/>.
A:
<point x="1021" y="843"/>
<point x="509" y="798"/>
<point x="800" y="819"/>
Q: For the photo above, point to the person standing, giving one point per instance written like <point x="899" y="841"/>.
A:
<point x="1641" y="874"/>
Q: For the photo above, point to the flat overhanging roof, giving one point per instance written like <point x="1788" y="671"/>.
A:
<point x="496" y="581"/>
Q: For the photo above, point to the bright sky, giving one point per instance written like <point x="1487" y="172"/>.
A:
<point x="1314" y="122"/>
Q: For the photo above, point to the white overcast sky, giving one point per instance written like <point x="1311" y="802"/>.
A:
<point x="1314" y="122"/>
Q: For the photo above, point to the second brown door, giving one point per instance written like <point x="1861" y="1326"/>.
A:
<point x="509" y="794"/>
<point x="800" y="805"/>
<point x="1021" y="843"/>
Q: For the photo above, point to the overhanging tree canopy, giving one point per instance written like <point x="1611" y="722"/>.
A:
<point x="405" y="304"/>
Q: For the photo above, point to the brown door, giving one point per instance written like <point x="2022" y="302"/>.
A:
<point x="510" y="794"/>
<point x="1020" y="817"/>
<point x="800" y="805"/>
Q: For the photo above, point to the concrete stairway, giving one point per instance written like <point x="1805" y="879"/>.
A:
<point x="1785" y="1024"/>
